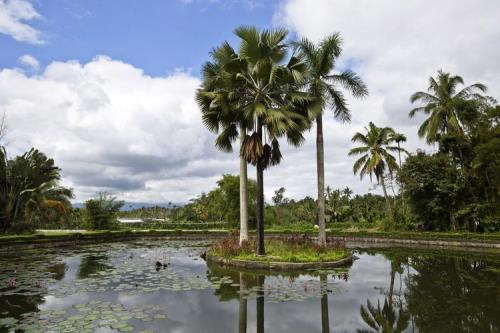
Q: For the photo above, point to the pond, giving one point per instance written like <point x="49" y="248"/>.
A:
<point x="118" y="287"/>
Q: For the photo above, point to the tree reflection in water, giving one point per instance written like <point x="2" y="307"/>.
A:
<point x="325" y="321"/>
<point x="242" y="320"/>
<point x="454" y="294"/>
<point x="254" y="283"/>
<point x="384" y="319"/>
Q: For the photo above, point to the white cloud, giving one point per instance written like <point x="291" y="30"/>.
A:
<point x="395" y="46"/>
<point x="29" y="61"/>
<point x="111" y="127"/>
<point x="13" y="14"/>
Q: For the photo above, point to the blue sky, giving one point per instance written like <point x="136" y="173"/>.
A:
<point x="106" y="87"/>
<point x="158" y="36"/>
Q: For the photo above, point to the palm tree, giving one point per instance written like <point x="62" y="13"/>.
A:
<point x="442" y="103"/>
<point x="257" y="90"/>
<point x="376" y="158"/>
<point x="222" y="114"/>
<point x="399" y="138"/>
<point x="324" y="86"/>
<point x="273" y="104"/>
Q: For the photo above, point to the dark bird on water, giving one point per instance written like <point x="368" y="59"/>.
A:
<point x="159" y="265"/>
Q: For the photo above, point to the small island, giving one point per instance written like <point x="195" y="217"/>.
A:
<point x="284" y="253"/>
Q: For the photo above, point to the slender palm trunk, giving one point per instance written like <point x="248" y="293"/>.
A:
<point x="320" y="162"/>
<point x="260" y="198"/>
<point x="387" y="201"/>
<point x="402" y="186"/>
<point x="325" y="320"/>
<point x="243" y="193"/>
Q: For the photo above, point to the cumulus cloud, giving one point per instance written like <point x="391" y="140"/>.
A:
<point x="29" y="61"/>
<point x="13" y="17"/>
<point x="110" y="127"/>
<point x="395" y="47"/>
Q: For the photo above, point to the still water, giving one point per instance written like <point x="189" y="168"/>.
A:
<point x="117" y="287"/>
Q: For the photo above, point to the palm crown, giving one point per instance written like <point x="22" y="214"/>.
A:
<point x="376" y="151"/>
<point x="324" y="85"/>
<point x="442" y="102"/>
<point x="252" y="87"/>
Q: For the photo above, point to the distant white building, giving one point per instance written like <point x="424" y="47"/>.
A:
<point x="129" y="220"/>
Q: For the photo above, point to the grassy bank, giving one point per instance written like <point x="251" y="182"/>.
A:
<point x="351" y="231"/>
<point x="62" y="235"/>
<point x="67" y="235"/>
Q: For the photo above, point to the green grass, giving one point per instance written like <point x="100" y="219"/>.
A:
<point x="278" y="250"/>
<point x="279" y="253"/>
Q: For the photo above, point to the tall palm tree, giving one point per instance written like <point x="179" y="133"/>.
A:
<point x="376" y="158"/>
<point x="222" y="114"/>
<point x="273" y="104"/>
<point x="326" y="88"/>
<point x="399" y="138"/>
<point x="263" y="87"/>
<point x="442" y="102"/>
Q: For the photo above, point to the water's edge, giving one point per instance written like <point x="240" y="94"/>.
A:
<point x="352" y="241"/>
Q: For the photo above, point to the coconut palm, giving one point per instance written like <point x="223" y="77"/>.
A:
<point x="376" y="156"/>
<point x="258" y="90"/>
<point x="399" y="138"/>
<point x="326" y="87"/>
<point x="442" y="103"/>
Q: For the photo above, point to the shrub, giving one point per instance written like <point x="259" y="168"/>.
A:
<point x="101" y="212"/>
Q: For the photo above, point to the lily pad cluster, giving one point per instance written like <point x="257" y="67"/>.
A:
<point x="88" y="318"/>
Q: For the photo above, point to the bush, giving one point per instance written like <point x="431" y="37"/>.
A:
<point x="101" y="213"/>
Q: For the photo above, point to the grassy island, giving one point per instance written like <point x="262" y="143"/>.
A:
<point x="295" y="249"/>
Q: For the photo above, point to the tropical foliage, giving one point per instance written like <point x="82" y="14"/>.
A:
<point x="218" y="205"/>
<point x="100" y="213"/>
<point x="30" y="190"/>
